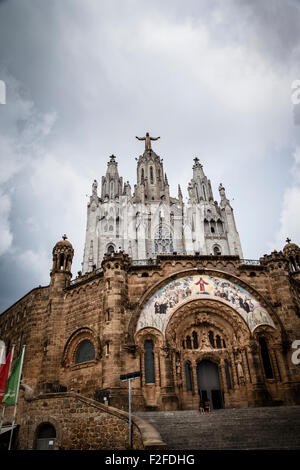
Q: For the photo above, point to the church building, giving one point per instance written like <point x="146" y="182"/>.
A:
<point x="165" y="290"/>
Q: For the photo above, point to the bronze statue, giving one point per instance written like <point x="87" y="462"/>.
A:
<point x="147" y="140"/>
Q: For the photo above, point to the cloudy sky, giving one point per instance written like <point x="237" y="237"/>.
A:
<point x="213" y="78"/>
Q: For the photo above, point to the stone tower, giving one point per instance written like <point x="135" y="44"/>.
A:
<point x="150" y="221"/>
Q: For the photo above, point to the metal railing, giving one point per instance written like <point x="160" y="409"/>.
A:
<point x="86" y="276"/>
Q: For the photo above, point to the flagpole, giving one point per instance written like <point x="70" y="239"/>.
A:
<point x="3" y="405"/>
<point x="17" y="396"/>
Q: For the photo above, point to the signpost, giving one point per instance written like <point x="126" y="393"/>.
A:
<point x="128" y="378"/>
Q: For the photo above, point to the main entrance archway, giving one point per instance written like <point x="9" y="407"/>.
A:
<point x="209" y="384"/>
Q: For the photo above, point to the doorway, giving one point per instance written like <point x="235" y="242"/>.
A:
<point x="209" y="384"/>
<point x="46" y="437"/>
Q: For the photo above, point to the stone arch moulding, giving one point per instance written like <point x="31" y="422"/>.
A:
<point x="39" y="422"/>
<point x="73" y="342"/>
<point x="163" y="299"/>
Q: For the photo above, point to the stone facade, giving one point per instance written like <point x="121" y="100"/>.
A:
<point x="150" y="221"/>
<point x="214" y="326"/>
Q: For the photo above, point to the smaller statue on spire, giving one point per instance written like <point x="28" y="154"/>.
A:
<point x="147" y="140"/>
<point x="222" y="190"/>
<point x="94" y="188"/>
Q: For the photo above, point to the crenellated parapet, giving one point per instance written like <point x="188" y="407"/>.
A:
<point x="274" y="261"/>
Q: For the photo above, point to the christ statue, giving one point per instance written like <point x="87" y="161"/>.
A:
<point x="147" y="140"/>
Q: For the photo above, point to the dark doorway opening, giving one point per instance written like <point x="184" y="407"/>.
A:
<point x="209" y="384"/>
<point x="46" y="437"/>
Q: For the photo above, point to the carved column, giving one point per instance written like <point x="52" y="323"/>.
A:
<point x="274" y="363"/>
<point x="234" y="374"/>
<point x="162" y="361"/>
<point x="195" y="378"/>
<point x="174" y="370"/>
<point x="143" y="368"/>
<point x="245" y="366"/>
<point x="254" y="363"/>
<point x="223" y="375"/>
<point x="156" y="367"/>
<point x="281" y="364"/>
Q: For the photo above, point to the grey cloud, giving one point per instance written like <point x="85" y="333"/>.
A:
<point x="85" y="77"/>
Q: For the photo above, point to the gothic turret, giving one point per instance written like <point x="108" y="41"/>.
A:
<point x="62" y="262"/>
<point x="291" y="252"/>
<point x="112" y="184"/>
<point x="199" y="187"/>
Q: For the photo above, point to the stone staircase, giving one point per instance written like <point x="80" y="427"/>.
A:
<point x="267" y="428"/>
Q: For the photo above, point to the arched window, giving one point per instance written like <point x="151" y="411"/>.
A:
<point x="149" y="362"/>
<point x="151" y="175"/>
<point x="142" y="175"/>
<point x="195" y="340"/>
<point x="85" y="352"/>
<point x="61" y="261"/>
<point x="220" y="226"/>
<point x="217" y="251"/>
<point x="265" y="358"/>
<point x="218" y="341"/>
<point x="211" y="338"/>
<point x="188" y="342"/>
<point x="110" y="249"/>
<point x="46" y="437"/>
<point x="227" y="373"/>
<point x="183" y="345"/>
<point x="188" y="376"/>
<point x="204" y="192"/>
<point x="293" y="264"/>
<point x="206" y="227"/>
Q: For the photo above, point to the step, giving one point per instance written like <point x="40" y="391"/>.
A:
<point x="237" y="428"/>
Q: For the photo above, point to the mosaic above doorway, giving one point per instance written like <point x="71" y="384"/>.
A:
<point x="160" y="307"/>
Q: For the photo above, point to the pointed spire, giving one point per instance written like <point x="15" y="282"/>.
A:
<point x="197" y="163"/>
<point x="166" y="179"/>
<point x="180" y="195"/>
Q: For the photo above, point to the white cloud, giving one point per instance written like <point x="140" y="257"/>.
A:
<point x="36" y="263"/>
<point x="289" y="217"/>
<point x="22" y="130"/>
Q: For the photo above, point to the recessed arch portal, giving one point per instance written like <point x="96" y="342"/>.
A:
<point x="201" y="286"/>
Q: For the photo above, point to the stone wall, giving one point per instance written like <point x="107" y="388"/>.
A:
<point x="80" y="423"/>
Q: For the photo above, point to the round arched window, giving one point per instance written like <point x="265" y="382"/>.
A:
<point x="85" y="352"/>
<point x="217" y="250"/>
<point x="110" y="249"/>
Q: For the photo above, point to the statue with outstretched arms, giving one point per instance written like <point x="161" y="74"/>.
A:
<point x="147" y="140"/>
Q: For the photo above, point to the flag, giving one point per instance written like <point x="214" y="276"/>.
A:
<point x="4" y="371"/>
<point x="12" y="385"/>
